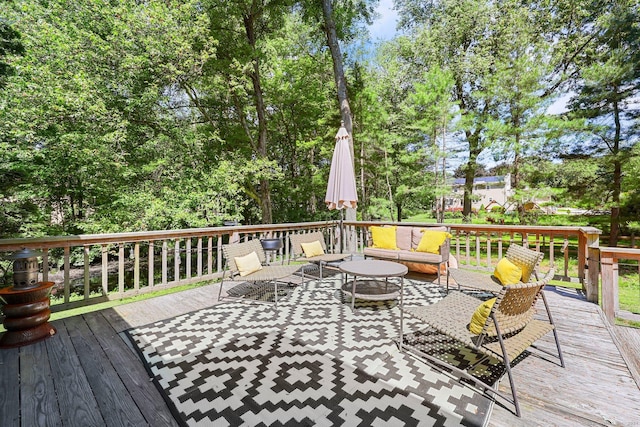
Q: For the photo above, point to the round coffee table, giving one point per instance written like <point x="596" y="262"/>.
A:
<point x="372" y="290"/>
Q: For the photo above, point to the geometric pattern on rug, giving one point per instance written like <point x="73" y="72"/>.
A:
<point x="310" y="362"/>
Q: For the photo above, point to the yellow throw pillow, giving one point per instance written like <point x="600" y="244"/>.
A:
<point x="312" y="249"/>
<point x="384" y="237"/>
<point x="248" y="264"/>
<point x="479" y="317"/>
<point x="431" y="241"/>
<point x="507" y="272"/>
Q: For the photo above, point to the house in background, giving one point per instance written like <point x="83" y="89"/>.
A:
<point x="488" y="191"/>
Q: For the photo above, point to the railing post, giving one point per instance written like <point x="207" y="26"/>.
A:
<point x="67" y="267"/>
<point x="105" y="269"/>
<point x="45" y="264"/>
<point x="136" y="266"/>
<point x="121" y="268"/>
<point x="87" y="273"/>
<point x="588" y="254"/>
<point x="609" y="285"/>
<point x="150" y="266"/>
<point x="165" y="255"/>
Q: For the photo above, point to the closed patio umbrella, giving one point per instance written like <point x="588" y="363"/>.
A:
<point x="341" y="187"/>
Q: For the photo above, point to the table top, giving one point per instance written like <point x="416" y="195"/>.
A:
<point x="374" y="268"/>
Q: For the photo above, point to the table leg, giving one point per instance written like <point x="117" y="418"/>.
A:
<point x="401" y="311"/>
<point x="353" y="294"/>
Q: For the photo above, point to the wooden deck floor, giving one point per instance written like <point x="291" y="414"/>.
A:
<point x="87" y="375"/>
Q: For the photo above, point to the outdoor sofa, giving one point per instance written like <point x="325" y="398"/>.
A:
<point x="416" y="247"/>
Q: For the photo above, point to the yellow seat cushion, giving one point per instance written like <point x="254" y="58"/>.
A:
<point x="432" y="240"/>
<point x="384" y="237"/>
<point x="507" y="272"/>
<point x="479" y="317"/>
<point x="248" y="264"/>
<point x="312" y="249"/>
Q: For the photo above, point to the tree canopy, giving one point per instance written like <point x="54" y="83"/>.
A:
<point x="122" y="116"/>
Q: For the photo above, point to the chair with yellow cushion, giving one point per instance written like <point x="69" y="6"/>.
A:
<point x="312" y="248"/>
<point x="519" y="265"/>
<point x="244" y="262"/>
<point x="500" y="329"/>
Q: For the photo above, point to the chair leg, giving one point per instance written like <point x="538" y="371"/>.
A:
<point x="555" y="330"/>
<point x="507" y="364"/>
<point x="221" y="284"/>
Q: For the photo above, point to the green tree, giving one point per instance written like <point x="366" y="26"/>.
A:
<point x="396" y="159"/>
<point x="460" y="37"/>
<point x="430" y="110"/>
<point x="10" y="45"/>
<point x="607" y="92"/>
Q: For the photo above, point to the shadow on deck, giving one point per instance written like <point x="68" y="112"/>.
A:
<point x="88" y="375"/>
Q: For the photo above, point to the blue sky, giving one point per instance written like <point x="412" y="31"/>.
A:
<point x="384" y="28"/>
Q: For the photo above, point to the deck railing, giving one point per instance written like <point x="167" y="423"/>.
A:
<point x="156" y="260"/>
<point x="148" y="261"/>
<point x="610" y="259"/>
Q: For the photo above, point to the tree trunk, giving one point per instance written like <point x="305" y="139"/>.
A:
<point x="265" y="190"/>
<point x="338" y="71"/>
<point x="341" y="86"/>
<point x="470" y="173"/>
<point x="617" y="179"/>
<point x="469" y="176"/>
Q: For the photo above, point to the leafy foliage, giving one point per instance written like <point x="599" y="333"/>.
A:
<point x="121" y="116"/>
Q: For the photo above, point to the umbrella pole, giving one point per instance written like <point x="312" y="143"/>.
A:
<point x="341" y="231"/>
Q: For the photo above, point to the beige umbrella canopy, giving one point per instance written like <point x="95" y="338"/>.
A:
<point x="341" y="187"/>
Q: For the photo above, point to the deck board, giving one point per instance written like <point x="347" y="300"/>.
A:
<point x="76" y="399"/>
<point x="116" y="405"/>
<point x="628" y="340"/>
<point x="131" y="372"/>
<point x="89" y="360"/>
<point x="39" y="404"/>
<point x="9" y="384"/>
<point x="594" y="388"/>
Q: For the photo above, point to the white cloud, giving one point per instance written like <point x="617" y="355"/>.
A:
<point x="559" y="106"/>
<point x="384" y="28"/>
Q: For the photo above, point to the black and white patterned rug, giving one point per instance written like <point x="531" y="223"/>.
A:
<point x="311" y="362"/>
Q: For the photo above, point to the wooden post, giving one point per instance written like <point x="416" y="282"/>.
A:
<point x="219" y="254"/>
<point x="121" y="268"/>
<point x="105" y="270"/>
<point x="67" y="267"/>
<point x="188" y="259"/>
<point x="176" y="260"/>
<point x="165" y="250"/>
<point x="87" y="273"/>
<point x="609" y="285"/>
<point x="150" y="270"/>
<point x="209" y="254"/>
<point x="136" y="266"/>
<point x="588" y="257"/>
<point x="45" y="264"/>
<point x="199" y="258"/>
